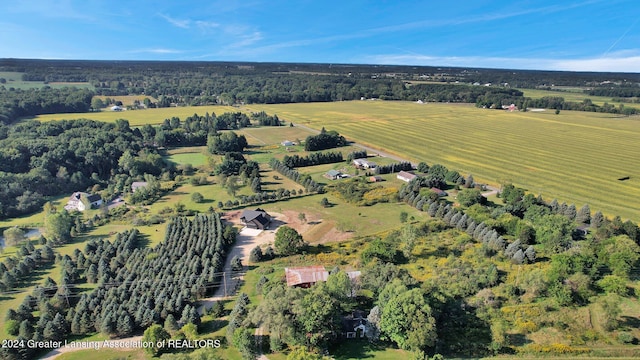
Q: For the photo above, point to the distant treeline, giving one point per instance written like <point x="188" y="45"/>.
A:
<point x="19" y="103"/>
<point x="623" y="92"/>
<point x="206" y="83"/>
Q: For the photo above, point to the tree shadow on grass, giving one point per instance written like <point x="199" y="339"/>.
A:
<point x="355" y="349"/>
<point x="213" y="325"/>
<point x="36" y="277"/>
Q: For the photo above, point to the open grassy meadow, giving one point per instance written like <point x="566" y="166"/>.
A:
<point x="141" y="117"/>
<point x="194" y="155"/>
<point x="14" y="80"/>
<point x="574" y="95"/>
<point x="576" y="157"/>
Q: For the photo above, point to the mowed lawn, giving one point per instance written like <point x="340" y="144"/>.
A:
<point x="141" y="117"/>
<point x="576" y="157"/>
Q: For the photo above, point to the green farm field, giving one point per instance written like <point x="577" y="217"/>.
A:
<point x="141" y="117"/>
<point x="574" y="96"/>
<point x="576" y="157"/>
<point x="14" y="80"/>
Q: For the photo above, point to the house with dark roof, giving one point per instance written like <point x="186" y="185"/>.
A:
<point x="354" y="325"/>
<point x="94" y="200"/>
<point x="82" y="201"/>
<point x="256" y="219"/>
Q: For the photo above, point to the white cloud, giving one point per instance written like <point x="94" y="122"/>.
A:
<point x="628" y="61"/>
<point x="184" y="24"/>
<point x="247" y="39"/>
<point x="206" y="25"/>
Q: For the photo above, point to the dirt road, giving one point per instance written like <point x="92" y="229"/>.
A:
<point x="247" y="239"/>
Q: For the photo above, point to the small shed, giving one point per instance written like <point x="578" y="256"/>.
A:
<point x="376" y="178"/>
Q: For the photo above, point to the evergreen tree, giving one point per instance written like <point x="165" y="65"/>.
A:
<point x="518" y="257"/>
<point x="597" y="220"/>
<point x="469" y="182"/>
<point x="570" y="212"/>
<point x="584" y="215"/>
<point x="256" y="254"/>
<point x="530" y="253"/>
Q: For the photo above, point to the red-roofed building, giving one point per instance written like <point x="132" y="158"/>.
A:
<point x="306" y="276"/>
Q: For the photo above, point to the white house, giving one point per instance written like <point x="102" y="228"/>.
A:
<point x="75" y="201"/>
<point x="287" y="143"/>
<point x="364" y="164"/>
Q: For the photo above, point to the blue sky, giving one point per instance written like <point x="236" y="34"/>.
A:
<point x="580" y="35"/>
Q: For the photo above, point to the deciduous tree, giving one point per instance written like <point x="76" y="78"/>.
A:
<point x="288" y="241"/>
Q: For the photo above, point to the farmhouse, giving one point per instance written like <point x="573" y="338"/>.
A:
<point x="333" y="174"/>
<point x="406" y="176"/>
<point x="364" y="164"/>
<point x="440" y="192"/>
<point x="256" y="219"/>
<point x="116" y="108"/>
<point x="76" y="201"/>
<point x="353" y="325"/>
<point x="287" y="143"/>
<point x="307" y="276"/>
<point x="138" y="184"/>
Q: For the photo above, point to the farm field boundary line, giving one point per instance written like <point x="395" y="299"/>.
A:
<point x="579" y="155"/>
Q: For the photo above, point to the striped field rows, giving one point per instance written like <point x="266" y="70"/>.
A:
<point x="575" y="157"/>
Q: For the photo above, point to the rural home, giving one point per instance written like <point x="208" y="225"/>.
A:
<point x="406" y="176"/>
<point x="376" y="178"/>
<point x="76" y="201"/>
<point x="307" y="276"/>
<point x="256" y="219"/>
<point x="333" y="174"/>
<point x="138" y="184"/>
<point x="353" y="325"/>
<point x="287" y="143"/>
<point x="116" y="108"/>
<point x="364" y="164"/>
